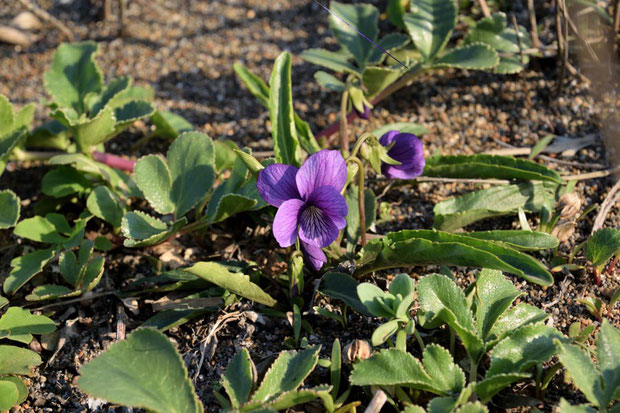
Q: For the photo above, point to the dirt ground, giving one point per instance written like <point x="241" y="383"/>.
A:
<point x="185" y="50"/>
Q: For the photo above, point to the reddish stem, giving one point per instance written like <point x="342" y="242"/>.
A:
<point x="114" y="161"/>
<point x="335" y="127"/>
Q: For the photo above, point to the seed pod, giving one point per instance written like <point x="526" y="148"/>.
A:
<point x="563" y="230"/>
<point x="357" y="350"/>
<point x="569" y="205"/>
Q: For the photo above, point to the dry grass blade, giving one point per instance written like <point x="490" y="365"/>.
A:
<point x="609" y="201"/>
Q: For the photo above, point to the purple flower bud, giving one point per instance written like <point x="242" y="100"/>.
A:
<point x="364" y="115"/>
<point x="406" y="149"/>
<point x="310" y="206"/>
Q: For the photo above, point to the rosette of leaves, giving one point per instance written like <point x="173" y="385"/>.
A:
<point x="13" y="128"/>
<point x="175" y="185"/>
<point x="599" y="382"/>
<point x="499" y="250"/>
<point x="92" y="112"/>
<point x="601" y="246"/>
<point x="485" y="322"/>
<point x="83" y="272"/>
<point x="393" y="304"/>
<point x="18" y="325"/>
<point x="279" y="389"/>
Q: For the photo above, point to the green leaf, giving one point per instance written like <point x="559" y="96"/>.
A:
<point x="39" y="229"/>
<point x="338" y="62"/>
<point x="494" y="294"/>
<point x="285" y="141"/>
<point x="16" y="360"/>
<point x="132" y="111"/>
<point x="583" y="372"/>
<point x="494" y="32"/>
<point x="287" y="373"/>
<point x="26" y="267"/>
<point x="512" y="320"/>
<point x="10" y="208"/>
<point x="383" y="332"/>
<point x="395" y="11"/>
<point x="138" y="225"/>
<point x="476" y="407"/>
<point x="498" y="201"/>
<point x="290" y="399"/>
<point x="329" y="81"/>
<point x="238" y="379"/>
<point x="73" y="75"/>
<point x="340" y="286"/>
<point x="20" y="324"/>
<point x="9" y="394"/>
<point x="391" y="368"/>
<point x="473" y="56"/>
<point x="372" y="297"/>
<point x="8" y="143"/>
<point x="94" y="131"/>
<point x="390" y="43"/>
<point x="521" y="240"/>
<point x="414" y="409"/>
<point x="442" y="301"/>
<point x="143" y="371"/>
<point x="3" y="302"/>
<point x="69" y="267"/>
<point x="169" y="125"/>
<point x="225" y="154"/>
<point x="430" y="24"/>
<point x="105" y="204"/>
<point x="377" y="79"/>
<point x="167" y="319"/>
<point x="447" y="377"/>
<point x="236" y="283"/>
<point x="51" y="292"/>
<point x="112" y="89"/>
<point x="154" y="180"/>
<point x="522" y="349"/>
<point x="254" y="83"/>
<point x="190" y="156"/>
<point x="422" y="247"/>
<point x="607" y="353"/>
<point x="353" y="217"/>
<point x="602" y="245"/>
<point x="63" y="181"/>
<point x="566" y="407"/>
<point x="362" y="17"/>
<point x="490" y="386"/>
<point x="22" y="392"/>
<point x="6" y="116"/>
<point x="229" y="205"/>
<point x="402" y="127"/>
<point x="484" y="166"/>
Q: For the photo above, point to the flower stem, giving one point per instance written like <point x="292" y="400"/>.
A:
<point x="418" y="338"/>
<point x="359" y="143"/>
<point x="114" y="161"/>
<point x="344" y="128"/>
<point x="473" y="376"/>
<point x="401" y="340"/>
<point x="360" y="196"/>
<point x="22" y="155"/>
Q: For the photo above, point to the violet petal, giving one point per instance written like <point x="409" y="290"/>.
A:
<point x="316" y="227"/>
<point x="330" y="201"/>
<point x="315" y="256"/>
<point x="276" y="184"/>
<point x="406" y="149"/>
<point x="286" y="221"/>
<point x="323" y="168"/>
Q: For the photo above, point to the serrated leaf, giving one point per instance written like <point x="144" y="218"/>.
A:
<point x="154" y="180"/>
<point x="476" y="407"/>
<point x="391" y="368"/>
<point x="290" y="399"/>
<point x="94" y="131"/>
<point x="169" y="125"/>
<point x="494" y="294"/>
<point x="106" y="205"/>
<point x="191" y="156"/>
<point x="423" y="247"/>
<point x="109" y="91"/>
<point x="583" y="372"/>
<point x="16" y="360"/>
<point x="73" y="75"/>
<point x="488" y="387"/>
<point x="153" y="376"/>
<point x="138" y="225"/>
<point x="391" y="42"/>
<point x="430" y="24"/>
<point x="239" y="378"/>
<point x="342" y="287"/>
<point x="26" y="267"/>
<point x="131" y="112"/>
<point x="236" y="283"/>
<point x="225" y="154"/>
<point x="338" y="62"/>
<point x="602" y="245"/>
<point x="442" y="301"/>
<point x="376" y="79"/>
<point x="447" y="377"/>
<point x="402" y="127"/>
<point x="20" y="324"/>
<point x="566" y="407"/>
<point x="287" y="373"/>
<point x="522" y="349"/>
<point x="39" y="229"/>
<point x="473" y="56"/>
<point x="362" y="17"/>
<point x="441" y="405"/>
<point x="285" y="141"/>
<point x="498" y="201"/>
<point x="10" y="208"/>
<point x="484" y="166"/>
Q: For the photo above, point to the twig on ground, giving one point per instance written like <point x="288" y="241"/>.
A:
<point x="562" y="40"/>
<point x="518" y="34"/>
<point x="592" y="175"/>
<point x="377" y="402"/>
<point x="617" y="17"/>
<point x="485" y="8"/>
<point x="531" y="10"/>
<point x="609" y="201"/>
<point x="121" y="322"/>
<point x="43" y="15"/>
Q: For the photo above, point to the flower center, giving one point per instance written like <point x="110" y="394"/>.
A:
<point x="313" y="219"/>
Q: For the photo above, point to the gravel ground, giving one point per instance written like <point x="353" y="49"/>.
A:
<point x="185" y="50"/>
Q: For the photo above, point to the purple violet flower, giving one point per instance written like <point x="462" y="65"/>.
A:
<point x="310" y="206"/>
<point x="406" y="149"/>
